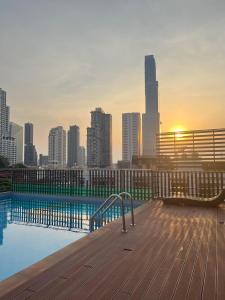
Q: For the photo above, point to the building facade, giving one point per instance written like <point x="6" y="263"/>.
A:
<point x="73" y="145"/>
<point x="7" y="143"/>
<point x="81" y="157"/>
<point x="151" y="117"/>
<point x="99" y="140"/>
<point x="4" y="114"/>
<point x="131" y="135"/>
<point x="16" y="131"/>
<point x="8" y="149"/>
<point x="30" y="153"/>
<point x="28" y="133"/>
<point x="57" y="147"/>
<point x="43" y="160"/>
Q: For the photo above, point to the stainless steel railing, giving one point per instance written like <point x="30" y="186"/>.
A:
<point x="102" y="210"/>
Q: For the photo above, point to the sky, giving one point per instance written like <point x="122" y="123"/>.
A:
<point x="61" y="59"/>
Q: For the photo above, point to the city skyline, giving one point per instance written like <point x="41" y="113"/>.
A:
<point x="50" y="83"/>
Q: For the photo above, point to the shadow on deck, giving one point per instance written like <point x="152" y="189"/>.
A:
<point x="172" y="253"/>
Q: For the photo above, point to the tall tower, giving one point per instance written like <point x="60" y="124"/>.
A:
<point x="131" y="135"/>
<point x="4" y="114"/>
<point x="57" y="147"/>
<point x="29" y="129"/>
<point x="7" y="142"/>
<point x="151" y="117"/>
<point x="16" y="131"/>
<point x="73" y="145"/>
<point x="99" y="140"/>
<point x="30" y="153"/>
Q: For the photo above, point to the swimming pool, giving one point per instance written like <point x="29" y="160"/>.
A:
<point x="33" y="227"/>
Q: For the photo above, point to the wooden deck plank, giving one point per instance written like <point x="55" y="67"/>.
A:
<point x="172" y="253"/>
<point x="183" y="264"/>
<point x="96" y="279"/>
<point x="117" y="278"/>
<point x="209" y="289"/>
<point x="171" y="262"/>
<point x="220" y="244"/>
<point x="155" y="246"/>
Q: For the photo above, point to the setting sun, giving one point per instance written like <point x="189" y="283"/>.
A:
<point x="178" y="132"/>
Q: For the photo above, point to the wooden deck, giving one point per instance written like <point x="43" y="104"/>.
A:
<point x="172" y="253"/>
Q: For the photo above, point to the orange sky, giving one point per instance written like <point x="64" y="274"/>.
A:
<point x="59" y="60"/>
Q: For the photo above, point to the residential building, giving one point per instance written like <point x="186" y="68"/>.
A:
<point x="4" y="114"/>
<point x="29" y="133"/>
<point x="16" y="131"/>
<point x="8" y="149"/>
<point x="81" y="157"/>
<point x="7" y="143"/>
<point x="131" y="135"/>
<point x="43" y="160"/>
<point x="99" y="140"/>
<point x="30" y="153"/>
<point x="73" y="144"/>
<point x="151" y="117"/>
<point x="57" y="147"/>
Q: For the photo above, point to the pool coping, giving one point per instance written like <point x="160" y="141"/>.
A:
<point x="21" y="277"/>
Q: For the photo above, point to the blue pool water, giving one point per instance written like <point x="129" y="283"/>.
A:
<point x="33" y="227"/>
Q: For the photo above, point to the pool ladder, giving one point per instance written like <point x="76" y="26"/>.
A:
<point x="101" y="211"/>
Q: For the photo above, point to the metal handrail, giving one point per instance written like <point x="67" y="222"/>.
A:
<point x="121" y="197"/>
<point x="122" y="211"/>
<point x="132" y="206"/>
<point x="99" y="209"/>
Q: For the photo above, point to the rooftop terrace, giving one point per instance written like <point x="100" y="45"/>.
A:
<point x="174" y="252"/>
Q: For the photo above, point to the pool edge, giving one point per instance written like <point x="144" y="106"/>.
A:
<point x="17" y="280"/>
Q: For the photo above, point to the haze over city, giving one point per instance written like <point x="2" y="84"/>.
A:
<point x="61" y="59"/>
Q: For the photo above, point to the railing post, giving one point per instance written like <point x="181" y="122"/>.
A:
<point x="123" y="195"/>
<point x="123" y="216"/>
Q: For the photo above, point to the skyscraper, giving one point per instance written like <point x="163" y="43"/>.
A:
<point x="4" y="114"/>
<point x="16" y="131"/>
<point x="99" y="140"/>
<point x="73" y="144"/>
<point x="7" y="143"/>
<point x="151" y="117"/>
<point x="30" y="153"/>
<point x="81" y="157"/>
<point x="131" y="135"/>
<point x="29" y="133"/>
<point x="57" y="147"/>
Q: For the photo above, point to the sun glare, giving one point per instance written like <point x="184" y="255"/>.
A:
<point x="178" y="132"/>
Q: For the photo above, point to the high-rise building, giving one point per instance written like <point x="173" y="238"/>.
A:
<point x="7" y="143"/>
<point x="151" y="117"/>
<point x="8" y="149"/>
<point x="73" y="144"/>
<point x="4" y="114"/>
<point x="29" y="133"/>
<point x="131" y="135"/>
<point x="99" y="140"/>
<point x="81" y="157"/>
<point x="16" y="131"/>
<point x="43" y="160"/>
<point x="30" y="153"/>
<point x="57" y="147"/>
